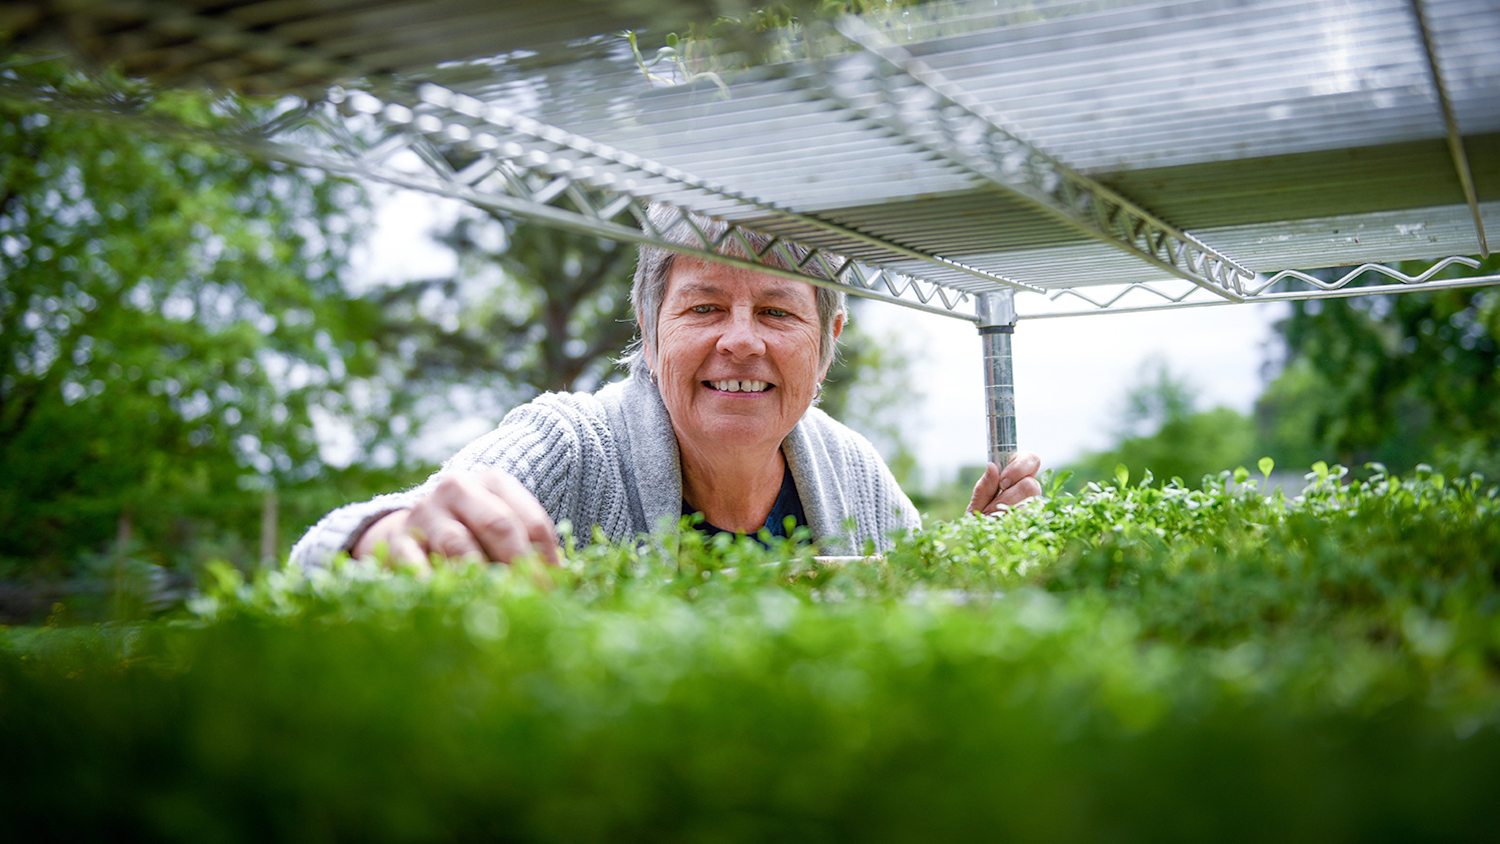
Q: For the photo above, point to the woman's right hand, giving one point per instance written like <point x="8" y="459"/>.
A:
<point x="484" y="515"/>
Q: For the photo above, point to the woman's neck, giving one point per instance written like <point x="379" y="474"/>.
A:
<point x="733" y="494"/>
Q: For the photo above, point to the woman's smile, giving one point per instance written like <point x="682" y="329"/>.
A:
<point x="738" y="386"/>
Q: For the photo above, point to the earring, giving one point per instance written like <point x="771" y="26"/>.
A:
<point x="652" y="375"/>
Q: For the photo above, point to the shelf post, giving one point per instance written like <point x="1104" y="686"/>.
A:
<point x="997" y="323"/>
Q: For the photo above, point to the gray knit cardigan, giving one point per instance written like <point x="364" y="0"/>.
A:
<point x="610" y="459"/>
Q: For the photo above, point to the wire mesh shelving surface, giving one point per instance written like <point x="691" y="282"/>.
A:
<point x="1090" y="155"/>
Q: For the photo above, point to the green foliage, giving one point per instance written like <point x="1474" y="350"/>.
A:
<point x="1163" y="434"/>
<point x="1131" y="663"/>
<point x="948" y="500"/>
<point x="1395" y="379"/>
<point x="532" y="308"/>
<point x="171" y="320"/>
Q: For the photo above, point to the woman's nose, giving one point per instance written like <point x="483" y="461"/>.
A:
<point x="741" y="337"/>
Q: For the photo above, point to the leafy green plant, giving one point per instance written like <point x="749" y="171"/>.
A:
<point x="1138" y="661"/>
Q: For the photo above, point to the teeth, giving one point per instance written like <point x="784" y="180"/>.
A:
<point x="741" y="386"/>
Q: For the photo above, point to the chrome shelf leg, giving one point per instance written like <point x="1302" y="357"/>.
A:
<point x="997" y="323"/>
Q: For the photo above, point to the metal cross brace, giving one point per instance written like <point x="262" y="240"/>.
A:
<point x="495" y="158"/>
<point x="461" y="148"/>
<point x="884" y="83"/>
<point x="491" y="129"/>
<point x="1278" y="288"/>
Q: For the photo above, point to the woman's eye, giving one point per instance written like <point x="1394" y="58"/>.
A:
<point x="777" y="312"/>
<point x="701" y="309"/>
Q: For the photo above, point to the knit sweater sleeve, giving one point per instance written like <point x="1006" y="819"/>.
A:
<point x="558" y="446"/>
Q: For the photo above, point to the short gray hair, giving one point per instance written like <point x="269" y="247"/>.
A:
<point x="655" y="267"/>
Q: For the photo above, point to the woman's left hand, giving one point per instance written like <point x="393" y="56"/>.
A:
<point x="999" y="490"/>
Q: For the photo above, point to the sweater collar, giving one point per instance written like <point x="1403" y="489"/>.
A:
<point x="657" y="464"/>
<point x="652" y="451"/>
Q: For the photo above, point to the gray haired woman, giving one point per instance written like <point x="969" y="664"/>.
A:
<point x="715" y="417"/>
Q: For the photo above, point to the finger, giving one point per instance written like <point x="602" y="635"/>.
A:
<point x="375" y="541"/>
<point x="493" y="523"/>
<point x="461" y="517"/>
<point x="1024" y="490"/>
<point x="485" y="505"/>
<point x="540" y="531"/>
<point x="405" y="551"/>
<point x="985" y="489"/>
<point x="1024" y="464"/>
<point x="449" y="538"/>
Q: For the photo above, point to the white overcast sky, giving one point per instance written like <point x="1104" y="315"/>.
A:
<point x="1071" y="373"/>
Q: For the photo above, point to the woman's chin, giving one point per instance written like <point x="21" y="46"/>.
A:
<point x="727" y="420"/>
<point x="742" y="432"/>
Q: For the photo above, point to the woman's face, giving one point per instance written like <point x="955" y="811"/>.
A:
<point x="736" y="354"/>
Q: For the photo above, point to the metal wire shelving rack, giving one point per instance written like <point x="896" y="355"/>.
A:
<point x="989" y="161"/>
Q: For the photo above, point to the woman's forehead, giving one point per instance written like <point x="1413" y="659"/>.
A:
<point x="694" y="276"/>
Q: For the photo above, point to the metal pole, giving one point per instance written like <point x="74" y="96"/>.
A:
<point x="997" y="322"/>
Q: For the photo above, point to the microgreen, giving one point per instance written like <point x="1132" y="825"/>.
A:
<point x="1147" y="661"/>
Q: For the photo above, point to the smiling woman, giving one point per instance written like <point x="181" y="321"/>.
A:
<point x="715" y="418"/>
<point x="737" y="357"/>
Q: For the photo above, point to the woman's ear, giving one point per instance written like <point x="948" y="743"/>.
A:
<point x="646" y="351"/>
<point x="838" y="328"/>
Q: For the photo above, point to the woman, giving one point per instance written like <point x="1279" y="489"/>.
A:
<point x="715" y="417"/>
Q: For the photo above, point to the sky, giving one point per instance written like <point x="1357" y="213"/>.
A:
<point x="1072" y="373"/>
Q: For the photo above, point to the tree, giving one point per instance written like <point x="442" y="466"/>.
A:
<point x="538" y="307"/>
<point x="1161" y="430"/>
<point x="1395" y="379"/>
<point x="171" y="318"/>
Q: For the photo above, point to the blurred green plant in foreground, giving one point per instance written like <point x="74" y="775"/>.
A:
<point x="1134" y="662"/>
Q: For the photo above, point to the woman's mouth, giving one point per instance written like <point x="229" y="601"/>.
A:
<point x="739" y="386"/>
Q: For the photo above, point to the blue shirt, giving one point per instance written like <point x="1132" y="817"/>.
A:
<point x="788" y="503"/>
